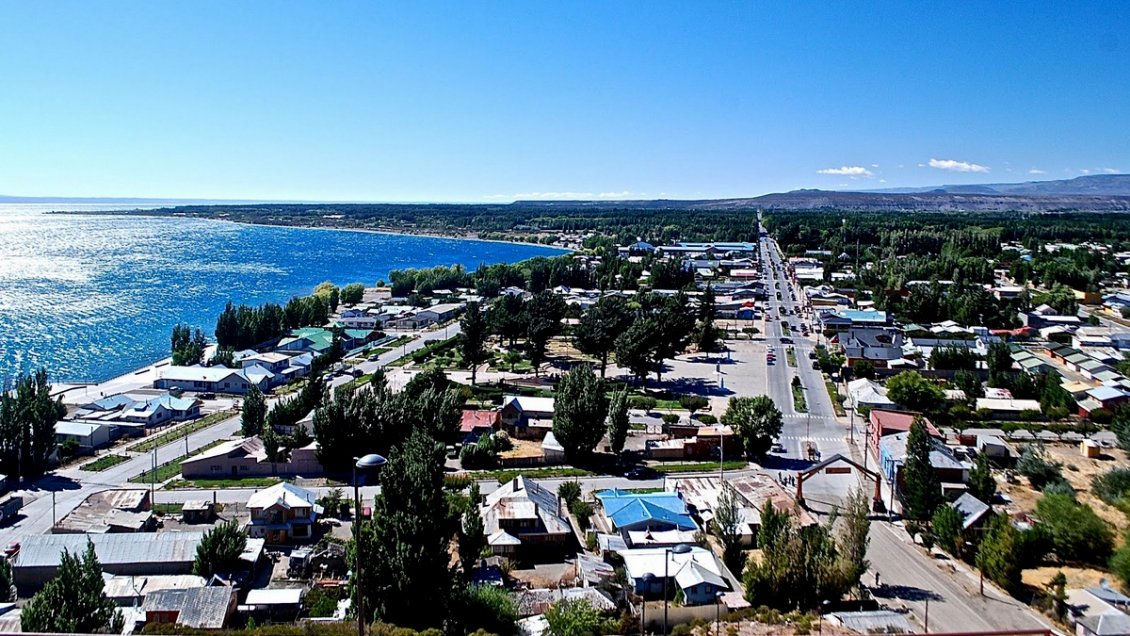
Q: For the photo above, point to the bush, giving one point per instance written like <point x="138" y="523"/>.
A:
<point x="644" y="403"/>
<point x="707" y="419"/>
<point x="1078" y="534"/>
<point x="583" y="511"/>
<point x="1030" y="415"/>
<point x="1112" y="486"/>
<point x="670" y="418"/>
<point x="1039" y="470"/>
<point x="693" y="403"/>
<point x="569" y="491"/>
<point x="1101" y="416"/>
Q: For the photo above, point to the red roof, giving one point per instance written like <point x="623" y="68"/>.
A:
<point x="477" y="419"/>
<point x="897" y="422"/>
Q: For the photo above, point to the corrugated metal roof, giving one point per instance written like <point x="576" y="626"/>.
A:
<point x="112" y="549"/>
<point x="199" y="607"/>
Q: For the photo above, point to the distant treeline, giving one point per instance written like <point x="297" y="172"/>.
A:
<point x="621" y="225"/>
<point x="243" y="326"/>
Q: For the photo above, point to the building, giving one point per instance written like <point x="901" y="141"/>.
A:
<point x="126" y="510"/>
<point x="209" y="607"/>
<point x="528" y="417"/>
<point x="145" y="410"/>
<point x="88" y="435"/>
<point x="879" y="346"/>
<point x="247" y="457"/>
<point x="274" y="605"/>
<point x="283" y="513"/>
<point x="475" y="423"/>
<point x="754" y="491"/>
<point x="697" y="573"/>
<point x="864" y="392"/>
<point x="841" y="320"/>
<point x="120" y="554"/>
<point x="974" y="512"/>
<point x="1006" y="407"/>
<point x="437" y="313"/>
<point x="216" y="379"/>
<point x="892" y="457"/>
<point x="130" y="591"/>
<point x="627" y="511"/>
<point x="522" y="517"/>
<point x="1113" y="624"/>
<point x="884" y="422"/>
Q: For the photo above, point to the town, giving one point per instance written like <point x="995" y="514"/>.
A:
<point x="842" y="421"/>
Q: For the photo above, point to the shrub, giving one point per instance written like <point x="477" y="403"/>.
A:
<point x="693" y="403"/>
<point x="670" y="418"/>
<point x="569" y="491"/>
<point x="1030" y="415"/>
<point x="644" y="403"/>
<point x="707" y="419"/>
<point x="1039" y="470"/>
<point x="583" y="511"/>
<point x="1101" y="416"/>
<point x="1112" y="486"/>
<point x="1078" y="534"/>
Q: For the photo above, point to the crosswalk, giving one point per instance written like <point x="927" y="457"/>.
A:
<point x="799" y="416"/>
<point x="801" y="438"/>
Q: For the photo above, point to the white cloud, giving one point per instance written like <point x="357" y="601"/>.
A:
<point x="1085" y="171"/>
<point x="882" y="180"/>
<point x="847" y="171"/>
<point x="1037" y="171"/>
<point x="614" y="195"/>
<point x="1111" y="170"/>
<point x="552" y="196"/>
<point x="874" y="165"/>
<point x="957" y="166"/>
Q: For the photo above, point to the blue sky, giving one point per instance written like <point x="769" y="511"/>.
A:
<point x="488" y="101"/>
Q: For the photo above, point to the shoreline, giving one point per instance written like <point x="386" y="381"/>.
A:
<point x="334" y="228"/>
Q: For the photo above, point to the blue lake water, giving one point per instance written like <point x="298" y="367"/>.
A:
<point x="91" y="297"/>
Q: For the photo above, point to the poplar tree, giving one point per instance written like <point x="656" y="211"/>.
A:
<point x="923" y="491"/>
<point x="473" y="338"/>
<point x="617" y="421"/>
<point x="74" y="601"/>
<point x="579" y="411"/>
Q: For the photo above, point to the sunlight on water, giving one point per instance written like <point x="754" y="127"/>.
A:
<point x="90" y="297"/>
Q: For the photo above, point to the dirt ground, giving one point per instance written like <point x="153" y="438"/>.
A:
<point x="523" y="448"/>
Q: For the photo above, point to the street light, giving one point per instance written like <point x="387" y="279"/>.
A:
<point x="648" y="579"/>
<point x="718" y="611"/>
<point x="682" y="548"/>
<point x="368" y="463"/>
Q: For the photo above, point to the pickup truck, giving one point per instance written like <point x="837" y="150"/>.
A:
<point x="10" y="506"/>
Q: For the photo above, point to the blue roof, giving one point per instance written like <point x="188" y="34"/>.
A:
<point x="627" y="509"/>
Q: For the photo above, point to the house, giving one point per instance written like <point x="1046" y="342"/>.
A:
<point x="217" y="379"/>
<point x="626" y="511"/>
<point x="475" y="423"/>
<point x="198" y="511"/>
<point x="523" y="517"/>
<point x="130" y="591"/>
<point x="283" y="513"/>
<point x="1103" y="397"/>
<point x="126" y="510"/>
<point x="88" y="435"/>
<point x="877" y="345"/>
<point x="210" y="607"/>
<point x="247" y="457"/>
<point x="120" y="554"/>
<point x="995" y="448"/>
<point x="160" y="410"/>
<point x="1006" y="407"/>
<point x="892" y="457"/>
<point x="974" y="512"/>
<point x="755" y="492"/>
<point x="872" y="622"/>
<point x="867" y="393"/>
<point x="696" y="573"/>
<point x="841" y="320"/>
<point x="437" y="313"/>
<point x="884" y="422"/>
<point x="1113" y="624"/>
<point x="277" y="605"/>
<point x="529" y="417"/>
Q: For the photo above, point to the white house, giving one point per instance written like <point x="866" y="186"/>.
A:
<point x="88" y="435"/>
<point x="216" y="379"/>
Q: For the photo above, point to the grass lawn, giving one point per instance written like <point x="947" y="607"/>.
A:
<point x="161" y="509"/>
<point x="103" y="462"/>
<point x="835" y="395"/>
<point x="703" y="467"/>
<point x="799" y="403"/>
<point x="790" y="356"/>
<point x="506" y="475"/>
<point x="216" y="484"/>
<point x="179" y="432"/>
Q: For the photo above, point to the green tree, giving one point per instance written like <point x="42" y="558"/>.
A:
<point x="757" y="420"/>
<point x="923" y="489"/>
<point x="276" y="452"/>
<point x="352" y="293"/>
<point x="914" y="392"/>
<point x="28" y="415"/>
<point x="508" y="318"/>
<point x="799" y="568"/>
<point x="617" y="422"/>
<point x="599" y="327"/>
<point x="253" y="413"/>
<point x="999" y="361"/>
<point x="74" y="601"/>
<point x="219" y="550"/>
<point x="1120" y="426"/>
<point x="946" y="528"/>
<point x="473" y="339"/>
<point x="488" y="609"/>
<point x="1038" y="468"/>
<point x="998" y="554"/>
<point x="472" y="540"/>
<point x="863" y="369"/>
<point x="6" y="590"/>
<point x="981" y="482"/>
<point x="574" y="618"/>
<point x="1078" y="534"/>
<point x="579" y="411"/>
<point x="187" y="346"/>
<point x="569" y="491"/>
<point x="1120" y="562"/>
<point x="693" y="403"/>
<point x="633" y="348"/>
<point x="727" y="528"/>
<point x="853" y="538"/>
<point x="706" y="335"/>
<point x="545" y="311"/>
<point x="328" y="293"/>
<point x="408" y="579"/>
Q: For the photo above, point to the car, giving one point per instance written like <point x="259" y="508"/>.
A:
<point x="811" y="355"/>
<point x="206" y="396"/>
<point x="12" y="549"/>
<point x="778" y="448"/>
<point x="815" y="364"/>
<point x="642" y="472"/>
<point x="786" y="340"/>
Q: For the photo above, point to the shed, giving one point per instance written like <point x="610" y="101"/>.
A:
<point x="197" y="608"/>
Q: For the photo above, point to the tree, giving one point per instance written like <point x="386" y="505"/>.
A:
<point x="473" y="339"/>
<point x="328" y="293"/>
<point x="545" y="311"/>
<point x="706" y="335"/>
<point x="1120" y="562"/>
<point x="946" y="528"/>
<point x="599" y="327"/>
<point x="923" y="488"/>
<point x="853" y="538"/>
<point x="512" y="358"/>
<point x="253" y="413"/>
<point x="914" y="392"/>
<point x="187" y="346"/>
<point x="981" y="482"/>
<point x="28" y="415"/>
<point x="799" y="568"/>
<point x="6" y="590"/>
<point x="223" y="357"/>
<point x="997" y="555"/>
<point x="633" y="348"/>
<point x="1040" y="471"/>
<point x="757" y="420"/>
<point x="579" y="411"/>
<point x="508" y="318"/>
<point x="219" y="550"/>
<point x="1120" y="425"/>
<point x="74" y="601"/>
<point x="693" y="403"/>
<point x="408" y="579"/>
<point x="273" y="447"/>
<point x="569" y="491"/>
<point x="727" y="528"/>
<point x="863" y="369"/>
<point x="617" y="422"/>
<point x="472" y="540"/>
<point x="1078" y="534"/>
<point x="488" y="609"/>
<point x="574" y="618"/>
<point x="352" y="293"/>
<point x="999" y="361"/>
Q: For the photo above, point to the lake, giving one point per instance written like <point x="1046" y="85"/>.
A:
<point x="91" y="297"/>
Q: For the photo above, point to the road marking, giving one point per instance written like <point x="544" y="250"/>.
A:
<point x="796" y="438"/>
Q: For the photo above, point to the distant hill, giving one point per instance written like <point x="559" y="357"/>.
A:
<point x="1096" y="185"/>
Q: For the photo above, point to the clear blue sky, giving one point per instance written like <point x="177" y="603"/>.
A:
<point x="482" y="101"/>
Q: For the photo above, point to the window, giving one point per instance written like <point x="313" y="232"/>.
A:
<point x="216" y="469"/>
<point x="243" y="468"/>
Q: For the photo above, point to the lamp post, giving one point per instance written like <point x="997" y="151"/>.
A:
<point x="718" y="611"/>
<point x="682" y="548"/>
<point x="369" y="462"/>
<point x="648" y="579"/>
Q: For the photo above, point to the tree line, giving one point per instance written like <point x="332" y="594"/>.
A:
<point x="28" y="415"/>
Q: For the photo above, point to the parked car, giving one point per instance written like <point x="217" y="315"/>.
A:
<point x="642" y="472"/>
<point x="12" y="549"/>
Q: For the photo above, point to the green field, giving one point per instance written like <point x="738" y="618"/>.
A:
<point x="800" y="405"/>
<point x="103" y="462"/>
<point x="506" y="475"/>
<point x="216" y="484"/>
<point x="703" y="467"/>
<point x="834" y="394"/>
<point x="179" y="432"/>
<point x="790" y="356"/>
